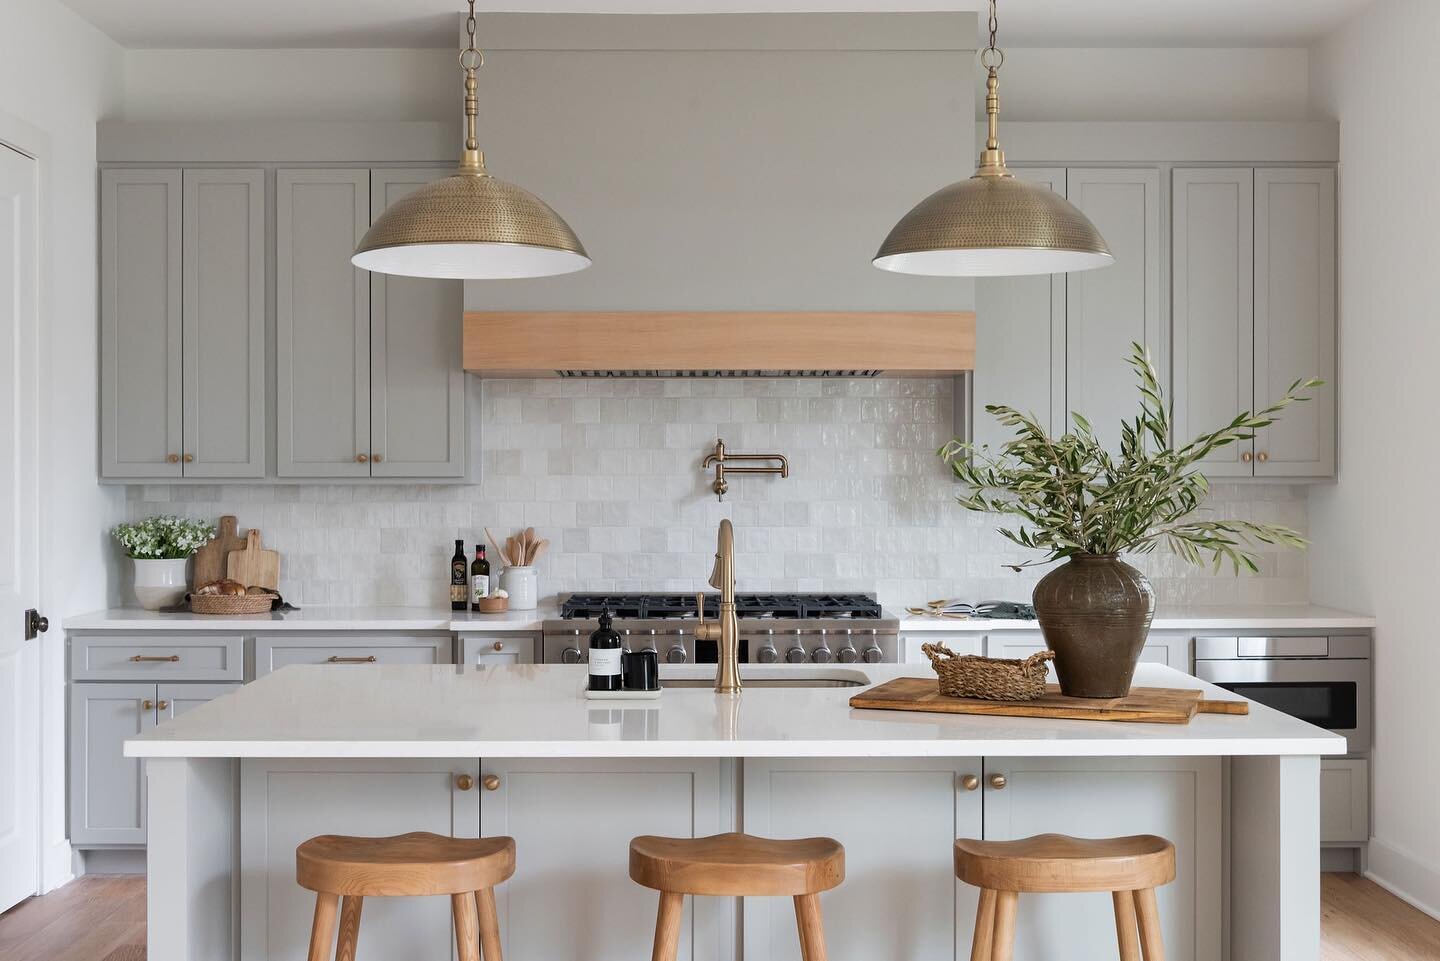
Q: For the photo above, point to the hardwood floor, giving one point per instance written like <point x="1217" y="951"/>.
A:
<point x="103" y="919"/>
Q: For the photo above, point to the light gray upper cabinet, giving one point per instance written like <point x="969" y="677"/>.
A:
<point x="1109" y="308"/>
<point x="224" y="323"/>
<point x="1020" y="340"/>
<point x="182" y="262"/>
<point x="417" y="383"/>
<point x="322" y="327"/>
<point x="1212" y="227"/>
<point x="140" y="404"/>
<point x="1295" y="317"/>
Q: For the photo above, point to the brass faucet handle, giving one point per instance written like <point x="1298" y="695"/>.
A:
<point x="702" y="629"/>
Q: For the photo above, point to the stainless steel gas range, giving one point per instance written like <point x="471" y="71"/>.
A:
<point x="774" y="628"/>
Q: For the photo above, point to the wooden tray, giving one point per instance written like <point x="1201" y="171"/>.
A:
<point x="211" y="559"/>
<point x="1159" y="705"/>
<point x="254" y="566"/>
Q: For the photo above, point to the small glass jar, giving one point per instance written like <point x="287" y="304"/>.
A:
<point x="519" y="583"/>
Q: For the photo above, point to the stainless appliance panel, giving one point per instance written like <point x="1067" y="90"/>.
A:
<point x="1334" y="693"/>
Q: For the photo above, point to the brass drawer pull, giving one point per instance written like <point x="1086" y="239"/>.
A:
<point x="337" y="659"/>
<point x="166" y="658"/>
<point x="172" y="458"/>
<point x="189" y="458"/>
<point x="1247" y="457"/>
<point x="499" y="646"/>
<point x="998" y="781"/>
<point x="377" y="458"/>
<point x="970" y="782"/>
<point x="1262" y="457"/>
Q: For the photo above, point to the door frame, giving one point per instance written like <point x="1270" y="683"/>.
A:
<point x="55" y="859"/>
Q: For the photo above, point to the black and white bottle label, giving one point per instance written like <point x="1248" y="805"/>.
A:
<point x="605" y="661"/>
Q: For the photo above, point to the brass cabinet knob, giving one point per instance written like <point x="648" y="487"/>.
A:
<point x="1262" y="457"/>
<point x="147" y="705"/>
<point x="1247" y="457"/>
<point x="970" y="782"/>
<point x="998" y="781"/>
<point x="464" y="782"/>
<point x="362" y="458"/>
<point x="172" y="458"/>
<point x="499" y="646"/>
<point x="491" y="782"/>
<point x="162" y="705"/>
<point x="377" y="458"/>
<point x="188" y="458"/>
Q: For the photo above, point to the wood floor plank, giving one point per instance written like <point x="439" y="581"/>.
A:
<point x="1361" y="921"/>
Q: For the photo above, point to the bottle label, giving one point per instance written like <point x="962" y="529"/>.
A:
<point x="479" y="587"/>
<point x="605" y="660"/>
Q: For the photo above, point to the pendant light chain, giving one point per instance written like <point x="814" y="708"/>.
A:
<point x="471" y="59"/>
<point x="991" y="58"/>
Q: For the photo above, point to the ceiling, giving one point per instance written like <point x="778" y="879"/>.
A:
<point x="432" y="23"/>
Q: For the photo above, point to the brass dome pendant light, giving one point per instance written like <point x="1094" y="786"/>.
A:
<point x="470" y="225"/>
<point x="993" y="225"/>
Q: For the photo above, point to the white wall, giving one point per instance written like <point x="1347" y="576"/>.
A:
<point x="1376" y="531"/>
<point x="59" y="75"/>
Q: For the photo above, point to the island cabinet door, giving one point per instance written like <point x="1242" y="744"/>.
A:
<point x="284" y="802"/>
<point x="898" y="819"/>
<point x="571" y="898"/>
<point x="1176" y="798"/>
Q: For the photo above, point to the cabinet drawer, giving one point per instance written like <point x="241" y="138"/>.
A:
<point x="273" y="653"/>
<point x="487" y="650"/>
<point x="172" y="657"/>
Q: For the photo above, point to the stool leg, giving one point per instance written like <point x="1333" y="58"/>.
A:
<point x="322" y="929"/>
<point x="349" y="928"/>
<point x="667" y="926"/>
<point x="1005" y="905"/>
<point x="1125" y="930"/>
<point x="467" y="937"/>
<point x="812" y="930"/>
<point x="982" y="942"/>
<point x="1149" y="915"/>
<point x="489" y="924"/>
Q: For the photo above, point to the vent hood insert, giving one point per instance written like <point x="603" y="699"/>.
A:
<point x="718" y="344"/>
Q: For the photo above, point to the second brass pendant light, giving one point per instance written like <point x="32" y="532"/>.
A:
<point x="992" y="224"/>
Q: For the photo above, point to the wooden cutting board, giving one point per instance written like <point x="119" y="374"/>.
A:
<point x="1157" y="705"/>
<point x="211" y="560"/>
<point x="254" y="566"/>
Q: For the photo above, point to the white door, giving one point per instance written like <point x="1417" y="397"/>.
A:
<point x="19" y="549"/>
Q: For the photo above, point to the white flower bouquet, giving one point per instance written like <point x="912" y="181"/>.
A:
<point x="163" y="538"/>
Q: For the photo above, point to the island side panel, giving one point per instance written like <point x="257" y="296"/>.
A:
<point x="190" y="861"/>
<point x="1275" y="858"/>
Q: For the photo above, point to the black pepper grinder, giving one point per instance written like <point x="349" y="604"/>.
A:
<point x="605" y="656"/>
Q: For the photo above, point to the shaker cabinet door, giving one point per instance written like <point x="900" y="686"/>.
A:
<point x="140" y="251"/>
<point x="107" y="789"/>
<point x="1108" y="309"/>
<point x="1295" y="317"/>
<point x="417" y="384"/>
<point x="322" y="318"/>
<point x="1212" y="229"/>
<point x="224" y="323"/>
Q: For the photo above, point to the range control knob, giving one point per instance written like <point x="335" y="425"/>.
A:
<point x="848" y="654"/>
<point x="796" y="654"/>
<point x="677" y="655"/>
<point x="767" y="654"/>
<point x="822" y="654"/>
<point x="571" y="655"/>
<point x="873" y="654"/>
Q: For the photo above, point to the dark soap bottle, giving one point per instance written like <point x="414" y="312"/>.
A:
<point x="605" y="656"/>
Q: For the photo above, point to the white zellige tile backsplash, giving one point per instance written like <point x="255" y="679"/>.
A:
<point x="610" y="471"/>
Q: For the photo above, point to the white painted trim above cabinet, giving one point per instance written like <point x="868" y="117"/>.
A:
<point x="1230" y="142"/>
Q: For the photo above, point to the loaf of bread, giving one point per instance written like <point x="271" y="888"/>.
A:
<point x="224" y="587"/>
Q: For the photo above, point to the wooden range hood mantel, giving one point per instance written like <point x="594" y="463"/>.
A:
<point x="547" y="344"/>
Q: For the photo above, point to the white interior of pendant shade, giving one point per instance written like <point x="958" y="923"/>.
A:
<point x="993" y="262"/>
<point x="470" y="261"/>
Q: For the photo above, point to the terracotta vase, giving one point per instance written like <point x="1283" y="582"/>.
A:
<point x="1095" y="612"/>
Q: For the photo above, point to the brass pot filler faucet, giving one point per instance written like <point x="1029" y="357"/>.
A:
<point x="718" y="458"/>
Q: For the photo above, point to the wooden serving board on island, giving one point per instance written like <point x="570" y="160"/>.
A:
<point x="1156" y="705"/>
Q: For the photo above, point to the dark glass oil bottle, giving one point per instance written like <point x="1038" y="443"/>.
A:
<point x="458" y="584"/>
<point x="479" y="578"/>
<point x="605" y="656"/>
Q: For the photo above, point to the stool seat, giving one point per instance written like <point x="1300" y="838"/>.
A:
<point x="408" y="865"/>
<point x="1057" y="862"/>
<point x="737" y="864"/>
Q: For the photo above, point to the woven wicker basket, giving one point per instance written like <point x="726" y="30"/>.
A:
<point x="991" y="678"/>
<point x="231" y="603"/>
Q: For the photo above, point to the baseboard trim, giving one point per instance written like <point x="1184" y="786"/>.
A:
<point x="57" y="866"/>
<point x="114" y="860"/>
<point x="1405" y="876"/>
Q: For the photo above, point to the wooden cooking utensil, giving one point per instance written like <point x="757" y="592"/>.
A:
<point x="211" y="559"/>
<point x="538" y="549"/>
<point x="512" y="552"/>
<point x="499" y="546"/>
<point x="254" y="566"/>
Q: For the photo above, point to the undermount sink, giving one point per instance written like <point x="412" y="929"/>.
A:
<point x="703" y="676"/>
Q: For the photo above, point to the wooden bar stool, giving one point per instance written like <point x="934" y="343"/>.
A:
<point x="737" y="864"/>
<point x="410" y="865"/>
<point x="1130" y="868"/>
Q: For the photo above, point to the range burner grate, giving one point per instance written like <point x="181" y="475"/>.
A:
<point x="640" y="606"/>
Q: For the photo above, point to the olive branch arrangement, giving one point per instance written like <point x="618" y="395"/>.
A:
<point x="1075" y="497"/>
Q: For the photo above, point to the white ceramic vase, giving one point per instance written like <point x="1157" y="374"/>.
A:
<point x="519" y="583"/>
<point x="160" y="583"/>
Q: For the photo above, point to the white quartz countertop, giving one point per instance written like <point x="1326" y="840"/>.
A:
<point x="1307" y="617"/>
<point x="317" y="619"/>
<point x="414" y="711"/>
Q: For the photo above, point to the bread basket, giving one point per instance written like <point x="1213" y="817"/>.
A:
<point x="990" y="678"/>
<point x="231" y="603"/>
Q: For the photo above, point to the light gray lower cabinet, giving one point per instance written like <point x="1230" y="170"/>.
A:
<point x="338" y="649"/>
<point x="140" y="368"/>
<point x="1344" y="800"/>
<point x="571" y="898"/>
<point x="107" y="789"/>
<point x="284" y="802"/>
<point x="897" y="819"/>
<point x="1176" y="798"/>
<point x="1171" y="648"/>
<point x="498" y="649"/>
<point x="417" y="383"/>
<point x="322" y="324"/>
<point x="959" y="642"/>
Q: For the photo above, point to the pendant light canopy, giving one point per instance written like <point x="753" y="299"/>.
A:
<point x="993" y="225"/>
<point x="470" y="225"/>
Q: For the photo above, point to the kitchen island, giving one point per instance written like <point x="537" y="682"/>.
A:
<point x="235" y="784"/>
